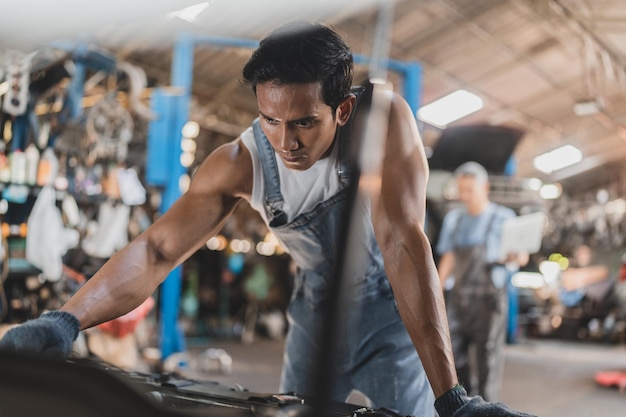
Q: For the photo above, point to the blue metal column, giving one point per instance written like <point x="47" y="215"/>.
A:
<point x="511" y="167"/>
<point x="412" y="88"/>
<point x="512" y="292"/>
<point x="172" y="339"/>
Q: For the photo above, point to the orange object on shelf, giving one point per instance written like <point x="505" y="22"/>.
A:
<point x="20" y="230"/>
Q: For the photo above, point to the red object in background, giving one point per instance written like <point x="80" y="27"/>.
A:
<point x="127" y="323"/>
<point x="612" y="379"/>
<point x="622" y="273"/>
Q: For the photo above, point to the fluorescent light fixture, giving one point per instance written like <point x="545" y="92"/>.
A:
<point x="550" y="191"/>
<point x="588" y="107"/>
<point x="534" y="184"/>
<point x="449" y="108"/>
<point x="191" y="13"/>
<point x="558" y="158"/>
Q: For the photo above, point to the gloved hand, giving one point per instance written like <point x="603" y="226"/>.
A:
<point x="50" y="335"/>
<point x="456" y="403"/>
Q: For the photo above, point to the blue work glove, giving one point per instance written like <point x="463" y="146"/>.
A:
<point x="50" y="335"/>
<point x="456" y="403"/>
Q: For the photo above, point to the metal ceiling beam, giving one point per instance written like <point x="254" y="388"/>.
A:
<point x="579" y="29"/>
<point x="499" y="44"/>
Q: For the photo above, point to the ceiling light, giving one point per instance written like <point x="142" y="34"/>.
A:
<point x="550" y="191"/>
<point x="558" y="158"/>
<point x="191" y="130"/>
<point x="588" y="107"/>
<point x="188" y="145"/>
<point x="534" y="184"/>
<point x="191" y="13"/>
<point x="449" y="108"/>
<point x="186" y="159"/>
<point x="183" y="183"/>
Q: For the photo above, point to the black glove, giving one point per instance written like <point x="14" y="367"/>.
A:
<point x="456" y="403"/>
<point x="50" y="335"/>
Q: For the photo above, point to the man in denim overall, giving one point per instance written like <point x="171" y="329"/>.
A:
<point x="301" y="75"/>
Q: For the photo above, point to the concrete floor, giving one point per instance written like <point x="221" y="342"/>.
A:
<point x="546" y="378"/>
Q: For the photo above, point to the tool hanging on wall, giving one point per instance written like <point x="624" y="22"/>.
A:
<point x="109" y="129"/>
<point x="17" y="78"/>
<point x="138" y="82"/>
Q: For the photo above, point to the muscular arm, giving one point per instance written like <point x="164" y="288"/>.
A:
<point x="133" y="273"/>
<point x="398" y="217"/>
<point x="575" y="278"/>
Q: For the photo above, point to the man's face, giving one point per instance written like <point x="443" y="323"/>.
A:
<point x="472" y="192"/>
<point x="299" y="125"/>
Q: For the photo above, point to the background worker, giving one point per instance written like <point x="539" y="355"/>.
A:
<point x="469" y="245"/>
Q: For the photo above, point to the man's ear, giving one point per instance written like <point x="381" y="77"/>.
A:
<point x="344" y="110"/>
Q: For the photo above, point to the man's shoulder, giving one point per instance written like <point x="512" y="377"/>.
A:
<point x="227" y="169"/>
<point x="502" y="211"/>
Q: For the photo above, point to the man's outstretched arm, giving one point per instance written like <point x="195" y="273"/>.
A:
<point x="134" y="272"/>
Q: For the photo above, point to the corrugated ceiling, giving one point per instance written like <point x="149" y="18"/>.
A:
<point x="531" y="60"/>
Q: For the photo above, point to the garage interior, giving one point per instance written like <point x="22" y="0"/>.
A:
<point x="550" y="76"/>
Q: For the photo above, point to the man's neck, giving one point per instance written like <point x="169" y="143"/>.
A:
<point x="478" y="208"/>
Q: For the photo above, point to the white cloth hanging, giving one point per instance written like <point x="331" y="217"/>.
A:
<point x="111" y="234"/>
<point x="47" y="240"/>
<point x="132" y="192"/>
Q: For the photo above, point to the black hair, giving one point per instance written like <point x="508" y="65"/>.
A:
<point x="301" y="53"/>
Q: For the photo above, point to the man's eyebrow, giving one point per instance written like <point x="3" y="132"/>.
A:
<point x="309" y="118"/>
<point x="305" y="119"/>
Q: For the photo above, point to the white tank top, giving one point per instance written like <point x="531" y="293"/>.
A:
<point x="301" y="190"/>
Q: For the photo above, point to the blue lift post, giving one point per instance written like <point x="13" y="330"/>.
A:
<point x="173" y="113"/>
<point x="163" y="168"/>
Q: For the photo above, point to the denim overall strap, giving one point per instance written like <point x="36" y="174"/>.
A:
<point x="392" y="376"/>
<point x="472" y="271"/>
<point x="273" y="197"/>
